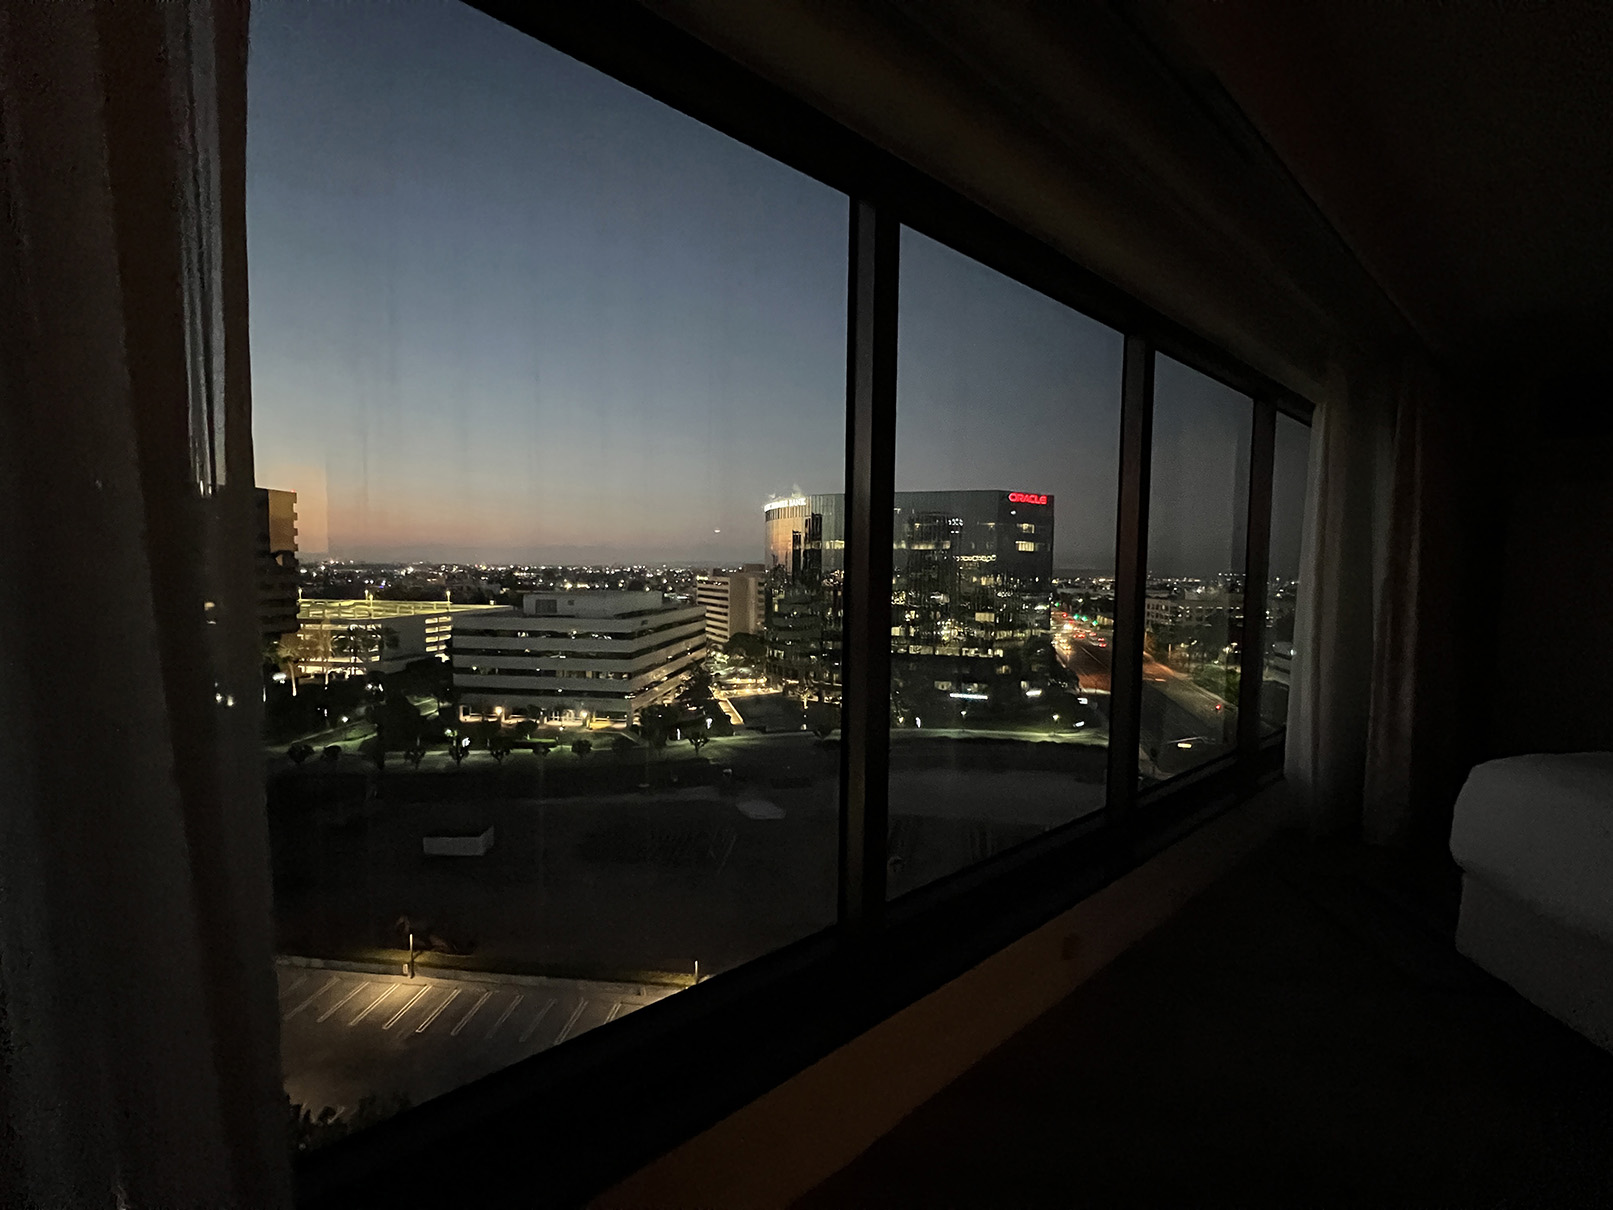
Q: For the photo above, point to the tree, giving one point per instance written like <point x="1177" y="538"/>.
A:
<point x="696" y="692"/>
<point x="359" y="644"/>
<point x="307" y="645"/>
<point x="822" y="718"/>
<point x="698" y="739"/>
<point x="500" y="746"/>
<point x="747" y="648"/>
<point x="346" y="645"/>
<point x="415" y="753"/>
<point x="397" y="723"/>
<point x="657" y="724"/>
<point x="582" y="747"/>
<point x="277" y="660"/>
<point x="299" y="752"/>
<point x="458" y="745"/>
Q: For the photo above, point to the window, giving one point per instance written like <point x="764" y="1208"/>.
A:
<point x="1197" y="535"/>
<point x="1290" y="470"/>
<point x="1007" y="423"/>
<point x="532" y="351"/>
<point x="547" y="364"/>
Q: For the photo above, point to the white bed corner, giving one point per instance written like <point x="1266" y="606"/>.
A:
<point x="1534" y="838"/>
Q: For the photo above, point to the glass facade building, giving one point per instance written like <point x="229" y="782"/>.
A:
<point x="972" y="582"/>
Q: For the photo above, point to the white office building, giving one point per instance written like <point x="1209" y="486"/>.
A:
<point x="735" y="603"/>
<point x="588" y="657"/>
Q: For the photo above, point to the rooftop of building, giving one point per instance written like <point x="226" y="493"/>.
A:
<point x="360" y="610"/>
<point x="598" y="603"/>
<point x="975" y="495"/>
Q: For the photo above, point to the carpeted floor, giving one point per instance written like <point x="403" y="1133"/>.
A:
<point x="1304" y="1035"/>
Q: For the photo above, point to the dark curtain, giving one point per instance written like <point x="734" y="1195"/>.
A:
<point x="138" y="1027"/>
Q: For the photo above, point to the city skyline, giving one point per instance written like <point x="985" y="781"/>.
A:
<point x="507" y="310"/>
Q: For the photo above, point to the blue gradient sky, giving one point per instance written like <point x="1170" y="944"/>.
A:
<point x="506" y="308"/>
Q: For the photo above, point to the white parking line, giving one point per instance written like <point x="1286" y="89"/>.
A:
<point x="542" y="1013"/>
<point x="329" y="983"/>
<point x="375" y="1003"/>
<point x="465" y="1020"/>
<point x="294" y="985"/>
<point x="577" y="1012"/>
<point x="393" y="1019"/>
<point x="504" y="1016"/>
<point x="614" y="1009"/>
<point x="331" y="1011"/>
<point x="447" y="1000"/>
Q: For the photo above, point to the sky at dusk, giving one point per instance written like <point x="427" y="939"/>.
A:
<point x="505" y="308"/>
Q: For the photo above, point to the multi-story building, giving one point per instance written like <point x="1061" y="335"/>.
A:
<point x="972" y="582"/>
<point x="356" y="638"/>
<point x="793" y="541"/>
<point x="1198" y="606"/>
<point x="804" y="638"/>
<point x="584" y="657"/>
<point x="1010" y="531"/>
<point x="735" y="603"/>
<point x="276" y="558"/>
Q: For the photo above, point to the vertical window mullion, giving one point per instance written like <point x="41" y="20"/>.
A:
<point x="1256" y="576"/>
<point x="1131" y="583"/>
<point x="870" y="501"/>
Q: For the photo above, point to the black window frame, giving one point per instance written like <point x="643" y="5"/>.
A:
<point x="569" y="1122"/>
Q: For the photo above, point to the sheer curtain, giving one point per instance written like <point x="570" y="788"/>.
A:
<point x="1341" y="574"/>
<point x="1379" y="730"/>
<point x="1429" y="666"/>
<point x="138" y="1029"/>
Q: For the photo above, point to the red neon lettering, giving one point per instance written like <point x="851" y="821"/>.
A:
<point x="1025" y="498"/>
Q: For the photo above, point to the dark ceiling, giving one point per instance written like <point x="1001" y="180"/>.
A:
<point x="1293" y="178"/>
<point x="1464" y="151"/>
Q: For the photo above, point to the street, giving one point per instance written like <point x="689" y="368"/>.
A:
<point x="1183" y="724"/>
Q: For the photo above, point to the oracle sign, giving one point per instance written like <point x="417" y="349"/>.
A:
<point x="1025" y="498"/>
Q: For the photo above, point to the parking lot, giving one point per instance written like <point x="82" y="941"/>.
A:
<point x="345" y="1035"/>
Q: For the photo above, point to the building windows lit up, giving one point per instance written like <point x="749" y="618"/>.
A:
<point x="581" y="658"/>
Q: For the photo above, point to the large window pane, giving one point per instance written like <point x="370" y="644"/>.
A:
<point x="1289" y="495"/>
<point x="1002" y="599"/>
<point x="1197" y="534"/>
<point x="531" y="355"/>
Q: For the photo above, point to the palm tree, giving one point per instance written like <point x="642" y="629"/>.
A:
<point x="361" y="644"/>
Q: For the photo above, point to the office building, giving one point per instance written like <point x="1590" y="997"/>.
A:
<point x="1200" y="606"/>
<point x="803" y="636"/>
<point x="790" y="535"/>
<point x="587" y="657"/>
<point x="275" y="555"/>
<point x="972" y="571"/>
<point x="735" y="603"/>
<point x="1013" y="530"/>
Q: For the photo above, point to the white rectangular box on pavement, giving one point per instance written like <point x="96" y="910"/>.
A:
<point x="458" y="846"/>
